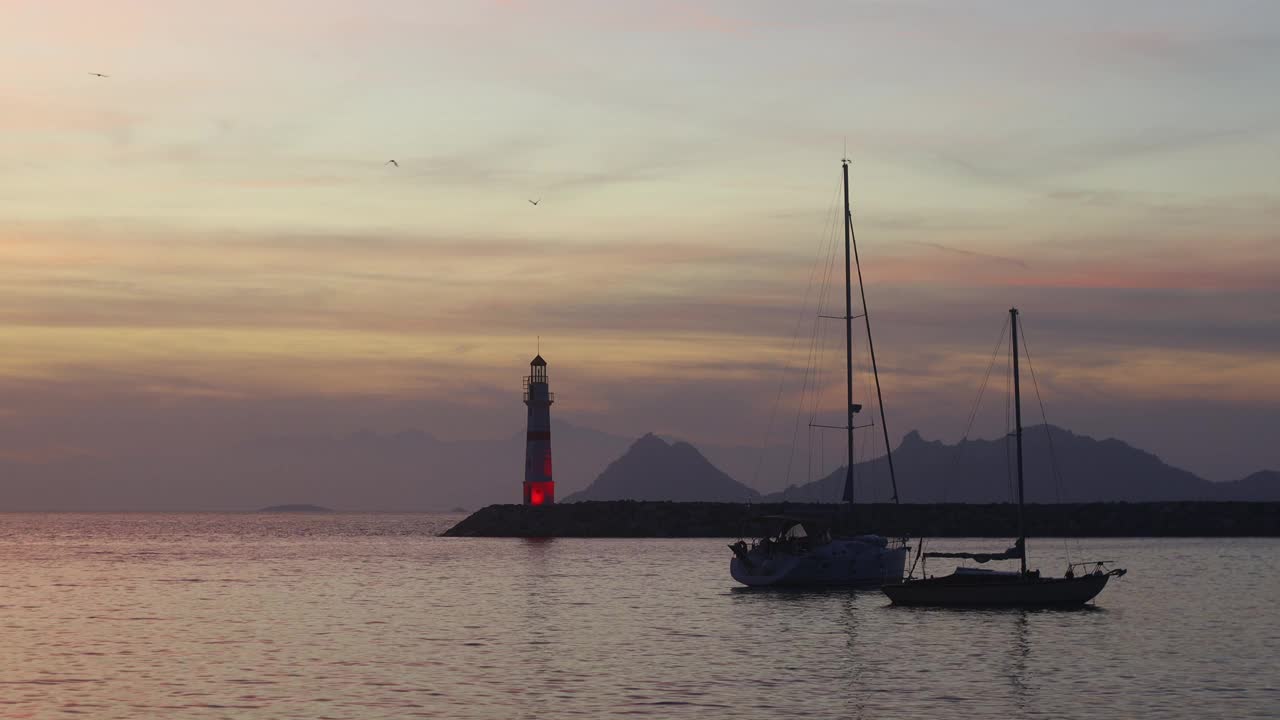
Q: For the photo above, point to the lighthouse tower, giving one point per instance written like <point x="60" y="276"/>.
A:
<point x="538" y="486"/>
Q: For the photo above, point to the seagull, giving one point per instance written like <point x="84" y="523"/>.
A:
<point x="391" y="162"/>
<point x="99" y="75"/>
<point x="535" y="202"/>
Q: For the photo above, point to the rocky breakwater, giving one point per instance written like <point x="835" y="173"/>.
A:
<point x="640" y="519"/>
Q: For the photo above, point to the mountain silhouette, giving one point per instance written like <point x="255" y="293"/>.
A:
<point x="408" y="470"/>
<point x="983" y="471"/>
<point x="653" y="469"/>
<point x="412" y="470"/>
<point x="1263" y="485"/>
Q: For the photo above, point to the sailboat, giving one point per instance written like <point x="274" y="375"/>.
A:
<point x="804" y="551"/>
<point x="977" y="587"/>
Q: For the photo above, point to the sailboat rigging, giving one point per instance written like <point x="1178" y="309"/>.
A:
<point x="975" y="587"/>
<point x="804" y="551"/>
<point x="871" y="349"/>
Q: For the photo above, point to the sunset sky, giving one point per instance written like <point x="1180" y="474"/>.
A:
<point x="208" y="244"/>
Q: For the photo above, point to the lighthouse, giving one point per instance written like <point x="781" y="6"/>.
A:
<point x="538" y="486"/>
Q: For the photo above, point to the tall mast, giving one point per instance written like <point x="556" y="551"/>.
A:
<point x="848" y="341"/>
<point x="871" y="347"/>
<point x="1017" y="419"/>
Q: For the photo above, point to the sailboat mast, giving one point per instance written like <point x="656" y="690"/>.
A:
<point x="848" y="342"/>
<point x="1017" y="420"/>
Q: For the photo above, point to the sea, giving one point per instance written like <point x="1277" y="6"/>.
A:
<point x="243" y="615"/>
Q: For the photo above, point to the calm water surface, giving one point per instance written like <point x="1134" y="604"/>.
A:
<point x="371" y="616"/>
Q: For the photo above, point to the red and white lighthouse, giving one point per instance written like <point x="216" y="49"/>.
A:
<point x="539" y="489"/>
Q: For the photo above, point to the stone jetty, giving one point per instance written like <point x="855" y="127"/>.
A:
<point x="636" y="519"/>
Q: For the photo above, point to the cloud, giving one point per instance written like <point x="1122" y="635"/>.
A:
<point x="211" y="235"/>
<point x="971" y="253"/>
<point x="24" y="115"/>
<point x="1039" y="162"/>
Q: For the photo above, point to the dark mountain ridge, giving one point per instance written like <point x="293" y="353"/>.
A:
<point x="653" y="469"/>
<point x="1263" y="485"/>
<point x="412" y="470"/>
<point x="983" y="471"/>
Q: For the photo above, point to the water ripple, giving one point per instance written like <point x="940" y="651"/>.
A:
<point x="373" y="616"/>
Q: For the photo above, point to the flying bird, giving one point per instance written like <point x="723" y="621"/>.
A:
<point x="535" y="202"/>
<point x="391" y="162"/>
<point x="99" y="74"/>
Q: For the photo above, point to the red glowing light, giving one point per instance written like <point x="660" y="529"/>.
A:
<point x="535" y="495"/>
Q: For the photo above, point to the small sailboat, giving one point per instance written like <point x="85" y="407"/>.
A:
<point x="977" y="587"/>
<point x="804" y="550"/>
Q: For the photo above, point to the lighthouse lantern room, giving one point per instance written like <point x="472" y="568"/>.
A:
<point x="539" y="489"/>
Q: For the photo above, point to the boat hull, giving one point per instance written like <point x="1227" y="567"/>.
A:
<point x="839" y="563"/>
<point x="958" y="591"/>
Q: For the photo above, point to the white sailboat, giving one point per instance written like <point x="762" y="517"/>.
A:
<point x="804" y="551"/>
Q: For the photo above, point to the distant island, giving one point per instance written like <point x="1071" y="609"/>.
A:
<point x="296" y="508"/>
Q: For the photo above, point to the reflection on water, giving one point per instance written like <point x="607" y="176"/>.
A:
<point x="372" y="616"/>
<point x="1020" y="649"/>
